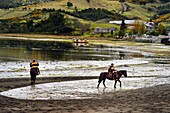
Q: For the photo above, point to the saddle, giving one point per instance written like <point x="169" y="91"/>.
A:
<point x="112" y="76"/>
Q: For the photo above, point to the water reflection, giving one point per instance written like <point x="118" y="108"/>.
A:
<point x="79" y="53"/>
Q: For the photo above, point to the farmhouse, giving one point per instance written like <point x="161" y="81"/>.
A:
<point x="99" y="30"/>
<point x="131" y="23"/>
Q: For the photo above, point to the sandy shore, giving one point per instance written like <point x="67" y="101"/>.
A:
<point x="145" y="100"/>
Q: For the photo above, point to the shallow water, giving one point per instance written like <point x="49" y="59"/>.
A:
<point x="78" y="89"/>
<point x="62" y="68"/>
<point x="82" y="61"/>
<point x="144" y="70"/>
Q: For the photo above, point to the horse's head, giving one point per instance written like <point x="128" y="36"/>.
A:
<point x="123" y="72"/>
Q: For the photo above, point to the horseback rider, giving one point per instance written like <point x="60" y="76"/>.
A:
<point x="112" y="71"/>
<point x="34" y="71"/>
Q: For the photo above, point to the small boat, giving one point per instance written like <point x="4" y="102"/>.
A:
<point x="36" y="49"/>
<point x="80" y="41"/>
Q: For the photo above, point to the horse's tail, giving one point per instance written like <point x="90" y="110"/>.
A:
<point x="100" y="77"/>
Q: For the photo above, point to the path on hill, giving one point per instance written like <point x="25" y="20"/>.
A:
<point x="125" y="7"/>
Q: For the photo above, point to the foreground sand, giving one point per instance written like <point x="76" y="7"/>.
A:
<point x="146" y="100"/>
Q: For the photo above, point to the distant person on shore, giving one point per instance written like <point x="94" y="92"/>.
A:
<point x="34" y="71"/>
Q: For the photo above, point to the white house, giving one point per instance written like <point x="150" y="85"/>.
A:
<point x="131" y="23"/>
<point x="99" y="30"/>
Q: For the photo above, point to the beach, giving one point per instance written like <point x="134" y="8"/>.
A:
<point x="149" y="73"/>
<point x="154" y="99"/>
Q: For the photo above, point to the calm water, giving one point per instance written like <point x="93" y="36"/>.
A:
<point x="79" y="53"/>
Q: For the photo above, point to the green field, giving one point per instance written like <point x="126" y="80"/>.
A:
<point x="135" y="10"/>
<point x="11" y="13"/>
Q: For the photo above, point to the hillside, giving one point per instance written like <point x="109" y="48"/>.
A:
<point x="91" y="12"/>
<point x="5" y="4"/>
<point x="134" y="10"/>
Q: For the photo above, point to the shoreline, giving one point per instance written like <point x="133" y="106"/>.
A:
<point x="25" y="81"/>
<point x="146" y="100"/>
<point x="155" y="99"/>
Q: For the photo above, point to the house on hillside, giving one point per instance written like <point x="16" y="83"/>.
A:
<point x="128" y="22"/>
<point x="99" y="30"/>
<point x="131" y="23"/>
<point x="149" y="26"/>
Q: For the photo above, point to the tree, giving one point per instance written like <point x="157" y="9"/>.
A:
<point x="30" y="24"/>
<point x="122" y="29"/>
<point x="136" y="26"/>
<point x="155" y="16"/>
<point x="76" y="9"/>
<point x="121" y="0"/>
<point x="56" y="24"/>
<point x="130" y="33"/>
<point x="88" y="1"/>
<point x="80" y="26"/>
<point x="111" y="32"/>
<point x="69" y="4"/>
<point x="142" y="29"/>
<point x="160" y="28"/>
<point x="14" y="28"/>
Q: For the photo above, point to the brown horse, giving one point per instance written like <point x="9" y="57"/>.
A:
<point x="34" y="72"/>
<point x="104" y="75"/>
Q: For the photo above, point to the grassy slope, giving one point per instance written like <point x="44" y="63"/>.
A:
<point x="135" y="10"/>
<point x="138" y="11"/>
<point x="82" y="4"/>
<point x="6" y="14"/>
<point x="101" y="23"/>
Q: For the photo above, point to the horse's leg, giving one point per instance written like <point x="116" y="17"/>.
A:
<point x="99" y="83"/>
<point x="120" y="83"/>
<point x="32" y="82"/>
<point x="104" y="83"/>
<point x="34" y="79"/>
<point x="115" y="83"/>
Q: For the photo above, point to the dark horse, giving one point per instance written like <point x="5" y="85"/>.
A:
<point x="34" y="72"/>
<point x="104" y="75"/>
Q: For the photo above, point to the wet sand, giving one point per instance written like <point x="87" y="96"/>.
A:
<point x="154" y="99"/>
